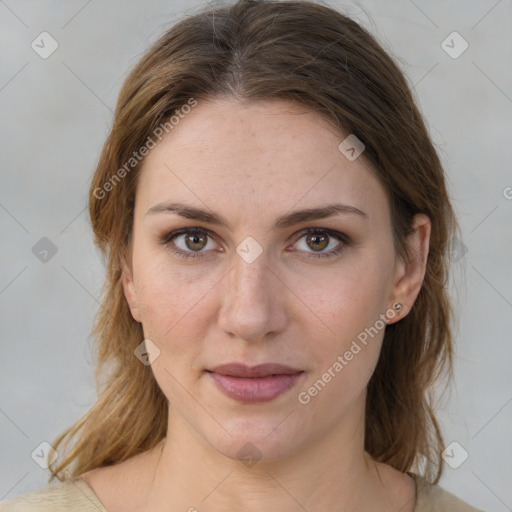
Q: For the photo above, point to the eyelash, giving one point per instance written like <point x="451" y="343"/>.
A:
<point x="341" y="237"/>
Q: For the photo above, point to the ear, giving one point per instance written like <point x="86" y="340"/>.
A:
<point x="130" y="292"/>
<point x="409" y="275"/>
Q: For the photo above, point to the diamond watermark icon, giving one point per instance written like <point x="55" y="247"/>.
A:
<point x="44" y="454"/>
<point x="454" y="455"/>
<point x="249" y="249"/>
<point x="249" y="454"/>
<point x="44" y="45"/>
<point x="454" y="45"/>
<point x="457" y="250"/>
<point x="351" y="148"/>
<point x="147" y="352"/>
<point x="44" y="250"/>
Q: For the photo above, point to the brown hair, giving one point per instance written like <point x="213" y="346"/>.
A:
<point x="312" y="55"/>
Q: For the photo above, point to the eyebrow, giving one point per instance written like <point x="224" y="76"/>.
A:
<point x="285" y="221"/>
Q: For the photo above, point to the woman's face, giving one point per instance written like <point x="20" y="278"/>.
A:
<point x="256" y="287"/>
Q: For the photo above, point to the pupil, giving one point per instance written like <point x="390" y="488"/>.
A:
<point x="195" y="239"/>
<point x="317" y="239"/>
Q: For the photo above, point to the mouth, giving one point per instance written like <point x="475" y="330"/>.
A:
<point x="261" y="370"/>
<point x="254" y="384"/>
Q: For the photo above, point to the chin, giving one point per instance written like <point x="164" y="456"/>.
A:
<point x="257" y="440"/>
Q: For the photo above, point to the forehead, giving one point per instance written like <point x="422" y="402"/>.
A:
<point x="261" y="157"/>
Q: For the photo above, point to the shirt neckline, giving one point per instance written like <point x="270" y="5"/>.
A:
<point x="419" y="484"/>
<point x="88" y="491"/>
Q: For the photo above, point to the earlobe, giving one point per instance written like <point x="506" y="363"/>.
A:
<point x="411" y="273"/>
<point x="130" y="292"/>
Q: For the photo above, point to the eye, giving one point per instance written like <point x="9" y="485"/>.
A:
<point x="319" y="239"/>
<point x="194" y="242"/>
<point x="189" y="242"/>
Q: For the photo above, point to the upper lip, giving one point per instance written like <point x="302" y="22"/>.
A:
<point x="261" y="370"/>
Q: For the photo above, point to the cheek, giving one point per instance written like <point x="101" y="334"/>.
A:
<point x="346" y="359"/>
<point x="170" y="295"/>
<point x="347" y="298"/>
<point x="172" y="305"/>
<point x="350" y="305"/>
<point x="174" y="311"/>
<point x="339" y="385"/>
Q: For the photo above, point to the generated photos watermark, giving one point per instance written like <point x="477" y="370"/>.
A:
<point x="343" y="360"/>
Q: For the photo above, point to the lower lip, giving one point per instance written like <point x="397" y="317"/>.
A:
<point x="251" y="390"/>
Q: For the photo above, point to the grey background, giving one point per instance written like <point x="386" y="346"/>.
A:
<point x="55" y="115"/>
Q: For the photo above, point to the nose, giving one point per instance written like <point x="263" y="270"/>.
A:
<point x="253" y="301"/>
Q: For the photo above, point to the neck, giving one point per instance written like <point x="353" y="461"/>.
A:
<point x="330" y="473"/>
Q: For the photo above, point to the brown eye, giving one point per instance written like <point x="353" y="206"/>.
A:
<point x="317" y="241"/>
<point x="322" y="243"/>
<point x="189" y="242"/>
<point x="196" y="241"/>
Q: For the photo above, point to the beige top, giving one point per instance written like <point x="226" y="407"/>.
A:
<point x="78" y="496"/>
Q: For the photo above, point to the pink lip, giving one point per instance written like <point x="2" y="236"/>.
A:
<point x="254" y="384"/>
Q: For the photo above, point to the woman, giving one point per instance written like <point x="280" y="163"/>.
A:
<point x="277" y="225"/>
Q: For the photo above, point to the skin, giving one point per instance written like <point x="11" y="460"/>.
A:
<point x="252" y="163"/>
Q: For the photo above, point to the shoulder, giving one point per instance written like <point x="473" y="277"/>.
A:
<point x="70" y="495"/>
<point x="433" y="498"/>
